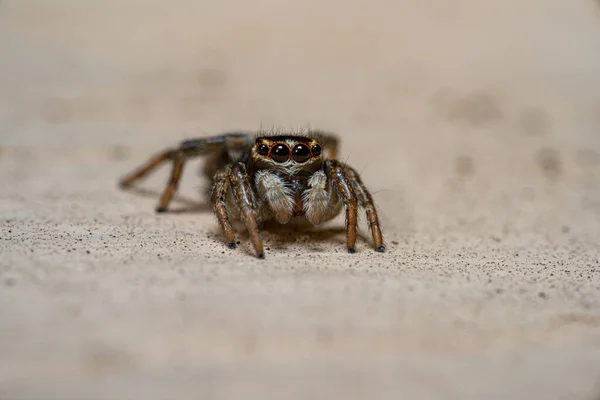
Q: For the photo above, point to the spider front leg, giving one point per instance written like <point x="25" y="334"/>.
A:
<point x="366" y="202"/>
<point x="342" y="185"/>
<point x="244" y="198"/>
<point x="218" y="197"/>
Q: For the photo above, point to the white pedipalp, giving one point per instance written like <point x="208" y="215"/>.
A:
<point x="316" y="198"/>
<point x="272" y="189"/>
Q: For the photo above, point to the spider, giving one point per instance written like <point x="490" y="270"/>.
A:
<point x="258" y="176"/>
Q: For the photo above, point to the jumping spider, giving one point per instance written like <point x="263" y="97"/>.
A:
<point x="257" y="177"/>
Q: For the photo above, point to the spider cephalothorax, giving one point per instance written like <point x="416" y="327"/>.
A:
<point x="257" y="177"/>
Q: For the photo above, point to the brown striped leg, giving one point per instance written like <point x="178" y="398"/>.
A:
<point x="366" y="201"/>
<point x="219" y="199"/>
<point x="178" y="159"/>
<point x="244" y="199"/>
<point x="173" y="184"/>
<point x="145" y="169"/>
<point x="336" y="174"/>
<point x="234" y="141"/>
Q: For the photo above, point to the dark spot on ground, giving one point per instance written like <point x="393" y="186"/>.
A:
<point x="549" y="162"/>
<point x="535" y="122"/>
<point x="476" y="109"/>
<point x="10" y="281"/>
<point x="464" y="166"/>
<point x="118" y="153"/>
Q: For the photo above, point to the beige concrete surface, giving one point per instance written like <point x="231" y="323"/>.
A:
<point x="475" y="123"/>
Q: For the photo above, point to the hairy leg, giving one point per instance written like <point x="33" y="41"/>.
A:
<point x="145" y="169"/>
<point x="245" y="201"/>
<point x="234" y="143"/>
<point x="171" y="188"/>
<point x="342" y="185"/>
<point x="366" y="202"/>
<point x="272" y="189"/>
<point x="178" y="159"/>
<point x="219" y="200"/>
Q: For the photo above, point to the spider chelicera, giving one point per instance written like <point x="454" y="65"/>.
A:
<point x="260" y="176"/>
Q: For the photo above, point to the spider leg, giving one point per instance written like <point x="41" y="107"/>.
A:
<point x="234" y="143"/>
<point x="219" y="194"/>
<point x="366" y="202"/>
<point x="244" y="197"/>
<point x="171" y="188"/>
<point x="343" y="186"/>
<point x="178" y="159"/>
<point x="145" y="169"/>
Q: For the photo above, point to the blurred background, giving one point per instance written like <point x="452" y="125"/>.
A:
<point x="446" y="105"/>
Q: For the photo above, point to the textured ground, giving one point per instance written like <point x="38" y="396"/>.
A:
<point x="476" y="126"/>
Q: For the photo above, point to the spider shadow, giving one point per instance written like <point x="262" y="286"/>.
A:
<point x="299" y="232"/>
<point x="190" y="206"/>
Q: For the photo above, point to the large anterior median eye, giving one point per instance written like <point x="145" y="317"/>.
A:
<point x="280" y="153"/>
<point x="301" y="153"/>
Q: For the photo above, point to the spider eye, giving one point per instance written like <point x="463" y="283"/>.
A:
<point x="280" y="153"/>
<point x="263" y="149"/>
<point x="316" y="150"/>
<point x="301" y="153"/>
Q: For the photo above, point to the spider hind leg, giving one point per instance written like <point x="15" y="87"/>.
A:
<point x="246" y="203"/>
<point x="234" y="143"/>
<point x="219" y="202"/>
